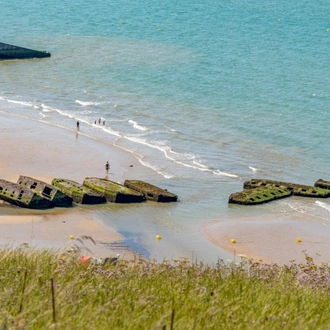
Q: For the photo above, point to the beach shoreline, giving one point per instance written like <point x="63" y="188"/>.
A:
<point x="43" y="151"/>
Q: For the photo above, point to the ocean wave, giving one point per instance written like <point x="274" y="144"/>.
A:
<point x="86" y="104"/>
<point x="137" y="126"/>
<point x="28" y="104"/>
<point x="253" y="169"/>
<point x="48" y="108"/>
<point x="180" y="158"/>
<point x="323" y="205"/>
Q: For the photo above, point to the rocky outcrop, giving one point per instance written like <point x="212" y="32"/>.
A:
<point x="150" y="191"/>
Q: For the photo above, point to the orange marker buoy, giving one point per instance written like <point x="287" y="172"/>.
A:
<point x="233" y="240"/>
<point x="158" y="237"/>
<point x="71" y="237"/>
<point x="298" y="240"/>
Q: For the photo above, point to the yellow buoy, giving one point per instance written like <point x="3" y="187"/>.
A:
<point x="233" y="240"/>
<point x="71" y="237"/>
<point x="298" y="240"/>
<point x="158" y="237"/>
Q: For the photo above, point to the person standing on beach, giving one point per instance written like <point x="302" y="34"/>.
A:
<point x="107" y="166"/>
<point x="77" y="125"/>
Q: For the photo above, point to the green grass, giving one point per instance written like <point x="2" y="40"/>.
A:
<point x="149" y="295"/>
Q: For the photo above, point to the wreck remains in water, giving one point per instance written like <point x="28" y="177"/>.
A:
<point x="259" y="195"/>
<point x="48" y="191"/>
<point x="150" y="191"/>
<point x="297" y="189"/>
<point x="15" y="194"/>
<point x="11" y="52"/>
<point x="114" y="192"/>
<point x="257" y="191"/>
<point x="80" y="194"/>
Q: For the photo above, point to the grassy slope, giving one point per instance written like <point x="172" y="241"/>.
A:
<point x="149" y="295"/>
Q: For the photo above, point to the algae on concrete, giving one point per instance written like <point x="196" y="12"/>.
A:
<point x="114" y="192"/>
<point x="322" y="184"/>
<point x="80" y="194"/>
<point x="15" y="194"/>
<point x="150" y="191"/>
<point x="297" y="189"/>
<point x="259" y="195"/>
<point x="45" y="190"/>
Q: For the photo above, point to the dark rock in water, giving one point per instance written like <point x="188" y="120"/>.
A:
<point x="150" y="191"/>
<point x="10" y="52"/>
<point x="114" y="192"/>
<point x="297" y="189"/>
<point x="45" y="190"/>
<point x="15" y="194"/>
<point x="259" y="195"/>
<point x="80" y="194"/>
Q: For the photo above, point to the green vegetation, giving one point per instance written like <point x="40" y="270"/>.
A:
<point x="259" y="195"/>
<point x="311" y="192"/>
<point x="48" y="290"/>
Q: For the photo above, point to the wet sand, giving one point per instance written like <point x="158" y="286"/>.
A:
<point x="271" y="240"/>
<point x="43" y="151"/>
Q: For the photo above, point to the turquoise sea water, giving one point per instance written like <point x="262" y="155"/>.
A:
<point x="207" y="94"/>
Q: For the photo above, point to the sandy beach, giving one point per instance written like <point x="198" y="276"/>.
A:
<point x="269" y="240"/>
<point x="44" y="151"/>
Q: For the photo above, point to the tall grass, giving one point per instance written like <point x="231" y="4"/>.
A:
<point x="44" y="289"/>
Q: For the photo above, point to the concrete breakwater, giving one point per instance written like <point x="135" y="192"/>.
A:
<point x="11" y="52"/>
<point x="33" y="193"/>
<point x="257" y="191"/>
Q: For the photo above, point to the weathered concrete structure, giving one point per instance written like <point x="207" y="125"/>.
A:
<point x="322" y="184"/>
<point x="259" y="195"/>
<point x="151" y="192"/>
<point x="10" y="52"/>
<point x="80" y="194"/>
<point x="297" y="189"/>
<point x="45" y="190"/>
<point x="15" y="194"/>
<point x="114" y="192"/>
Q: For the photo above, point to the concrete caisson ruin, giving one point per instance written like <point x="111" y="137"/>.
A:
<point x="297" y="189"/>
<point x="150" y="191"/>
<point x="48" y="191"/>
<point x="11" y="52"/>
<point x="114" y="192"/>
<point x="80" y="194"/>
<point x="15" y="194"/>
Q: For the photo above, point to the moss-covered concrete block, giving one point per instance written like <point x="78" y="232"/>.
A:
<point x="259" y="195"/>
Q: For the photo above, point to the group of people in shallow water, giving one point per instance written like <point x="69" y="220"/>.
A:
<point x="95" y="122"/>
<point x="99" y="121"/>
